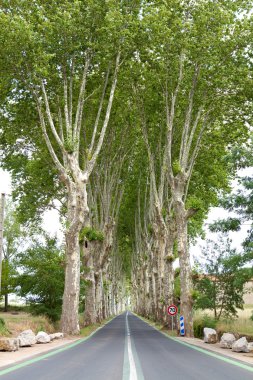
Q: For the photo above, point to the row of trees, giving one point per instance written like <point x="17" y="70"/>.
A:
<point x="33" y="269"/>
<point x="192" y="104"/>
<point x="125" y="112"/>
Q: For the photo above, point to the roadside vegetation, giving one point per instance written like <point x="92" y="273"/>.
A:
<point x="131" y="119"/>
<point x="241" y="325"/>
<point x="19" y="319"/>
<point x="14" y="322"/>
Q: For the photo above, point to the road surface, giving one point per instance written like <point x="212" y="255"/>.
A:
<point x="128" y="349"/>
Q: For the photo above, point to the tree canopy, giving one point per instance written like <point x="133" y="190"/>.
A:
<point x="127" y="113"/>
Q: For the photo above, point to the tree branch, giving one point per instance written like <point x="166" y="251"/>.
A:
<point x="194" y="156"/>
<point x="56" y="161"/>
<point x="91" y="163"/>
<point x="79" y="111"/>
<point x="99" y="112"/>
<point x="49" y="117"/>
<point x="170" y="114"/>
<point x="185" y="132"/>
<point x="66" y="109"/>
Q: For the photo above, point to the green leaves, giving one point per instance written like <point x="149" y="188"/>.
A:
<point x="90" y="234"/>
<point x="221" y="281"/>
<point x="41" y="279"/>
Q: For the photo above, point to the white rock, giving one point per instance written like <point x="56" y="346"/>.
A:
<point x="26" y="338"/>
<point x="210" y="335"/>
<point x="250" y="347"/>
<point x="227" y="340"/>
<point x="58" y="335"/>
<point x="9" y="344"/>
<point x="241" y="345"/>
<point x="42" y="337"/>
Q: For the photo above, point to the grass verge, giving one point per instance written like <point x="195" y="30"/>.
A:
<point x="87" y="330"/>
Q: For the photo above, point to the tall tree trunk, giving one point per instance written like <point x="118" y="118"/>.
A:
<point x="90" y="316"/>
<point x="185" y="270"/>
<point x="168" y="288"/>
<point x="70" y="317"/>
<point x="77" y="217"/>
<point x="169" y="271"/>
<point x="6" y="304"/>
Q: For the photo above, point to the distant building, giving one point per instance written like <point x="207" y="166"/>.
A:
<point x="248" y="296"/>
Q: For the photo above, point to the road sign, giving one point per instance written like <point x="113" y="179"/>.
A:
<point x="181" y="319"/>
<point x="172" y="310"/>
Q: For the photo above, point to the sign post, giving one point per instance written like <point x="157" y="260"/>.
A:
<point x="172" y="311"/>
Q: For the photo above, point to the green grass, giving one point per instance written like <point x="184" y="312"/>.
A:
<point x="3" y="329"/>
<point x="16" y="321"/>
<point x="20" y="321"/>
<point x="240" y="325"/>
<point x="87" y="330"/>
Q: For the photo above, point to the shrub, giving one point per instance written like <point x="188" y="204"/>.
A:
<point x="3" y="329"/>
<point x="199" y="324"/>
<point x="91" y="234"/>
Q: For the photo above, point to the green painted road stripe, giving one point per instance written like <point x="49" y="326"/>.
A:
<point x="126" y="365"/>
<point x="223" y="358"/>
<point x="54" y="352"/>
<point x="220" y="357"/>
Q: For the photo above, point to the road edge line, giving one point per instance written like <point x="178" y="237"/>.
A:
<point x="51" y="353"/>
<point x="204" y="351"/>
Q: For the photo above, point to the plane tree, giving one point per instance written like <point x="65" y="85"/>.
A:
<point x="61" y="59"/>
<point x="192" y="72"/>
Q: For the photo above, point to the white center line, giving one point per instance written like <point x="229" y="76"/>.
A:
<point x="133" y="372"/>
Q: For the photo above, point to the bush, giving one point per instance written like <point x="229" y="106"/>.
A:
<point x="199" y="324"/>
<point x="53" y="314"/>
<point x="90" y="234"/>
<point x="2" y="323"/>
<point x="3" y="329"/>
<point x="42" y="279"/>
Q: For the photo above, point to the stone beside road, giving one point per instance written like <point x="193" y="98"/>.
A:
<point x="9" y="344"/>
<point x="227" y="340"/>
<point x="42" y="337"/>
<point x="210" y="335"/>
<point x="240" y="345"/>
<point x="26" y="338"/>
<point x="250" y="347"/>
<point x="58" y="335"/>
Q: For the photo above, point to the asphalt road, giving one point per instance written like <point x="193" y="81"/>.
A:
<point x="129" y="349"/>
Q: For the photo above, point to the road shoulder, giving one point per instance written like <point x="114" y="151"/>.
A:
<point x="246" y="358"/>
<point x="240" y="356"/>
<point x="25" y="353"/>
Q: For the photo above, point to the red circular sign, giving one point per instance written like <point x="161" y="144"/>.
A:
<point x="172" y="310"/>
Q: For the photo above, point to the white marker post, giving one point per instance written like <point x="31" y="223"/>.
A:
<point x="182" y="330"/>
